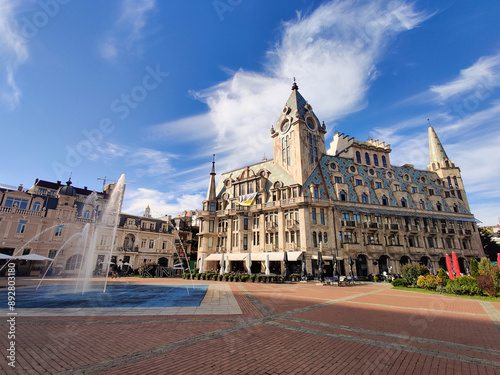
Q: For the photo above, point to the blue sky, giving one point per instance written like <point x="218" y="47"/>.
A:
<point x="152" y="88"/>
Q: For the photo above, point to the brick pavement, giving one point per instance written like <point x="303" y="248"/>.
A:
<point x="271" y="329"/>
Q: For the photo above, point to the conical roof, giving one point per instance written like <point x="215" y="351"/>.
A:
<point x="211" y="193"/>
<point x="296" y="107"/>
<point x="437" y="154"/>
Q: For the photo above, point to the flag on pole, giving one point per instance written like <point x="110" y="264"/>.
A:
<point x="247" y="200"/>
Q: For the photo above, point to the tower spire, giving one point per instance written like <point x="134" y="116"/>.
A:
<point x="211" y="194"/>
<point x="437" y="155"/>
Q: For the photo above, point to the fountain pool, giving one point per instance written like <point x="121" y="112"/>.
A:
<point x="126" y="296"/>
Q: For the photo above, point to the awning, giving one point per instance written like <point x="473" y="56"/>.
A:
<point x="276" y="256"/>
<point x="273" y="256"/>
<point x="228" y="256"/>
<point x="325" y="257"/>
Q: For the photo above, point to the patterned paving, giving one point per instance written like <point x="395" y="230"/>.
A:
<point x="248" y="328"/>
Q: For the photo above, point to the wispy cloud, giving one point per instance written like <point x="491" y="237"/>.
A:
<point x="127" y="30"/>
<point x="13" y="51"/>
<point x="161" y="203"/>
<point x="484" y="74"/>
<point x="332" y="51"/>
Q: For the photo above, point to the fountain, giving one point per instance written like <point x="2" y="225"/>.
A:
<point x="104" y="222"/>
<point x="85" y="244"/>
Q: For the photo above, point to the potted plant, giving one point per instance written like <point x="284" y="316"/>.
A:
<point x="252" y="278"/>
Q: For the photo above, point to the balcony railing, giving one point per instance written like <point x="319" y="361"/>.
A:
<point x="348" y="223"/>
<point x="431" y="230"/>
<point x="373" y="226"/>
<point x="412" y="228"/>
<point x="392" y="227"/>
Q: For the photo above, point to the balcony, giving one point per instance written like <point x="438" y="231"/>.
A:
<point x="392" y="227"/>
<point x="467" y="232"/>
<point x="417" y="250"/>
<point x="412" y="228"/>
<point x="435" y="251"/>
<point x="451" y="231"/>
<point x="349" y="223"/>
<point x="431" y="230"/>
<point x="371" y="226"/>
<point x="395" y="249"/>
<point x="350" y="247"/>
<point x="375" y="248"/>
<point x="292" y="224"/>
<point x="134" y="249"/>
<point x="270" y="226"/>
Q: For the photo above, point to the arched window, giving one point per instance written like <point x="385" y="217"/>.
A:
<point x="434" y="166"/>
<point x="343" y="196"/>
<point x="449" y="183"/>
<point x="74" y="262"/>
<point x="422" y="204"/>
<point x="455" y="208"/>
<point x="367" y="158"/>
<point x="36" y="206"/>
<point x="375" y="160"/>
<point x="320" y="237"/>
<point x="439" y="206"/>
<point x="315" y="240"/>
<point x="325" y="237"/>
<point x="456" y="182"/>
<point x="447" y="163"/>
<point x="364" y="198"/>
<point x="385" y="202"/>
<point x="384" y="161"/>
<point x="403" y="202"/>
<point x="358" y="157"/>
<point x="86" y="214"/>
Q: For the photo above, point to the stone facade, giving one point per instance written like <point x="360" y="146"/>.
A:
<point x="49" y="218"/>
<point x="348" y="203"/>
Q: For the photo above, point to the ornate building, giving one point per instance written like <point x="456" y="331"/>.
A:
<point x="49" y="219"/>
<point x="347" y="202"/>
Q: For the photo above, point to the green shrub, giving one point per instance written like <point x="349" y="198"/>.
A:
<point x="252" y="278"/>
<point x="485" y="267"/>
<point x="411" y="272"/>
<point x="465" y="285"/>
<point x="197" y="276"/>
<point x="429" y="282"/>
<point x="474" y="268"/>
<point x="243" y="278"/>
<point x="399" y="282"/>
<point x="443" y="276"/>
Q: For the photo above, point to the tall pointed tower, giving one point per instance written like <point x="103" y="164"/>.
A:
<point x="298" y="138"/>
<point x="210" y="204"/>
<point x="447" y="171"/>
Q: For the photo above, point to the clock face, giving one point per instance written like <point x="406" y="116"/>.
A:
<point x="310" y="124"/>
<point x="285" y="126"/>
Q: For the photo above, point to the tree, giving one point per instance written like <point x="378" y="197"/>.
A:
<point x="491" y="248"/>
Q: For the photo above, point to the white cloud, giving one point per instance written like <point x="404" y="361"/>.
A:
<point x="127" y="30"/>
<point x="13" y="51"/>
<point x="483" y="75"/>
<point x="150" y="162"/>
<point x="160" y="203"/>
<point x="332" y="52"/>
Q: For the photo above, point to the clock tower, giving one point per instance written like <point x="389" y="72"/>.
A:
<point x="298" y="138"/>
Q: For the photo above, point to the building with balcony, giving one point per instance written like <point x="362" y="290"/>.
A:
<point x="49" y="219"/>
<point x="347" y="202"/>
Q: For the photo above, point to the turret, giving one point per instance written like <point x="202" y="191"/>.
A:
<point x="298" y="137"/>
<point x="449" y="174"/>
